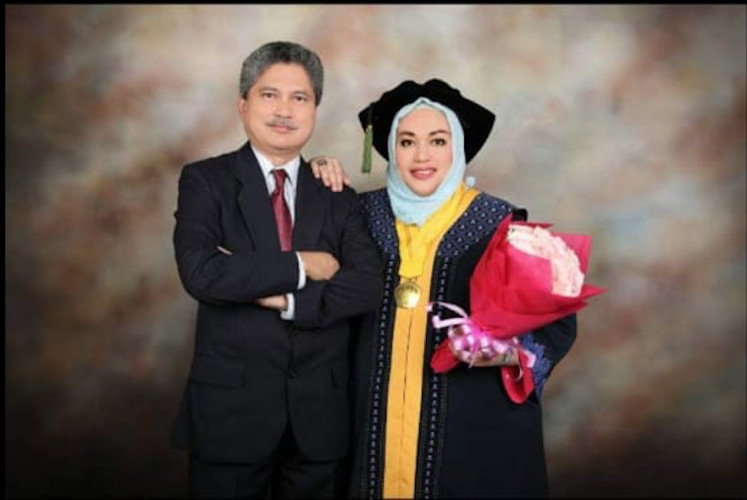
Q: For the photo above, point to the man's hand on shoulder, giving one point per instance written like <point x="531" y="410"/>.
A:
<point x="330" y="171"/>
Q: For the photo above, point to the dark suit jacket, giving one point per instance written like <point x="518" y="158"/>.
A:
<point x="253" y="373"/>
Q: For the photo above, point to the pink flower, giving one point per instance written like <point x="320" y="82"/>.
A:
<point x="567" y="278"/>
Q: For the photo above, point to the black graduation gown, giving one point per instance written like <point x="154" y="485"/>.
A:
<point x="473" y="440"/>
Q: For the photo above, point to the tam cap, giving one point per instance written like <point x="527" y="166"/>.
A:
<point x="376" y="119"/>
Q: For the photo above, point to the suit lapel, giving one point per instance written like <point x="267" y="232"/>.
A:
<point x="254" y="202"/>
<point x="310" y="200"/>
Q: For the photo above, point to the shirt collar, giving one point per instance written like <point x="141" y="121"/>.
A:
<point x="291" y="167"/>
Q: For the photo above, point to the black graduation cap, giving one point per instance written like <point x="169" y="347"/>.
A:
<point x="377" y="117"/>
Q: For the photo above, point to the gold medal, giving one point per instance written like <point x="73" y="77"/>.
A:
<point x="407" y="294"/>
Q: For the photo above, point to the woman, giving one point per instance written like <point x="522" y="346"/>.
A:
<point x="418" y="433"/>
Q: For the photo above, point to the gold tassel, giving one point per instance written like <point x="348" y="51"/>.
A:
<point x="367" y="144"/>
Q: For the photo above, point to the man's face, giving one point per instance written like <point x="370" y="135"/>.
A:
<point x="279" y="112"/>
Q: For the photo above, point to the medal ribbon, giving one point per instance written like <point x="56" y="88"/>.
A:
<point x="414" y="241"/>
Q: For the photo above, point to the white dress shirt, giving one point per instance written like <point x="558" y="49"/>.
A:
<point x="289" y="193"/>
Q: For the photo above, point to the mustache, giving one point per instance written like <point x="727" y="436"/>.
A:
<point x="279" y="122"/>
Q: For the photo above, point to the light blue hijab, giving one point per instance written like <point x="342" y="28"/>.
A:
<point x="407" y="206"/>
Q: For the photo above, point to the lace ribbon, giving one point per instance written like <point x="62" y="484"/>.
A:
<point x="472" y="340"/>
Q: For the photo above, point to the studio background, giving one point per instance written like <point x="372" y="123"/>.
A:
<point x="627" y="123"/>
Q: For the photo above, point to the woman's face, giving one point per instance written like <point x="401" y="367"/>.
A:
<point x="423" y="150"/>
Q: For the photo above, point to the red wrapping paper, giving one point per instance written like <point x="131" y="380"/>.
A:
<point x="511" y="294"/>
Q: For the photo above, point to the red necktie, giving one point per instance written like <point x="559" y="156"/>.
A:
<point x="282" y="214"/>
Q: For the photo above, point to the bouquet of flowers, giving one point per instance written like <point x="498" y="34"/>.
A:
<point x="528" y="277"/>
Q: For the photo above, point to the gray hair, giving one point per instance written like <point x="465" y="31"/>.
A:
<point x="282" y="52"/>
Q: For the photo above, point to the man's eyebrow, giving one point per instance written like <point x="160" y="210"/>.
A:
<point x="275" y="89"/>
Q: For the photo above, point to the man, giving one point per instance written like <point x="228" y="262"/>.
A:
<point x="265" y="410"/>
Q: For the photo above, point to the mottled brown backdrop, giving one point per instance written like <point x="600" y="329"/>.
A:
<point x="623" y="122"/>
